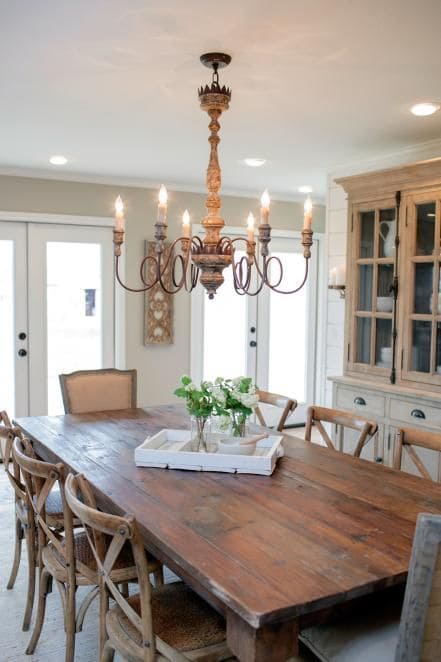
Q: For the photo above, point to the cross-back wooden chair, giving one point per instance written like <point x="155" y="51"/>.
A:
<point x="281" y="402"/>
<point x="380" y="634"/>
<point x="5" y="426"/>
<point x="24" y="524"/>
<point x="169" y="622"/>
<point x="98" y="390"/>
<point x="406" y="439"/>
<point x="319" y="415"/>
<point x="64" y="555"/>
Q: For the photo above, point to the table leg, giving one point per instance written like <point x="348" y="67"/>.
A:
<point x="276" y="642"/>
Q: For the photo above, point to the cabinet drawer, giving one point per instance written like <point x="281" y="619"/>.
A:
<point x="415" y="414"/>
<point x="361" y="401"/>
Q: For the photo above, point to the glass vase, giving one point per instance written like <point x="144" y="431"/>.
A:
<point x="238" y="423"/>
<point x="200" y="428"/>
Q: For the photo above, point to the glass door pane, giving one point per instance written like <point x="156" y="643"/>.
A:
<point x="287" y="328"/>
<point x="13" y="320"/>
<point x="225" y="331"/>
<point x="367" y="225"/>
<point x="425" y="228"/>
<point x="74" y="313"/>
<point x="288" y="325"/>
<point x="71" y="307"/>
<point x="421" y="342"/>
<point x="7" y="343"/>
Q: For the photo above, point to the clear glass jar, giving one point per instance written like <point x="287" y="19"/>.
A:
<point x="200" y="429"/>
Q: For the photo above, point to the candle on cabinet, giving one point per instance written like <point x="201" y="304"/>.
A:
<point x="340" y="275"/>
<point x="119" y="215"/>
<point x="307" y="216"/>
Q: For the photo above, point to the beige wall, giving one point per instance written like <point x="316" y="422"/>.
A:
<point x="158" y="367"/>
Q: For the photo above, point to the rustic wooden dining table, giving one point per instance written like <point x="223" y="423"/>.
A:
<point x="266" y="550"/>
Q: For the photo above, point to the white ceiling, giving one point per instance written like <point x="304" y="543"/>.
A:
<point x="112" y="84"/>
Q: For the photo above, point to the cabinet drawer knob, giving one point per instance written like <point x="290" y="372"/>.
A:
<point x="417" y="413"/>
<point x="359" y="401"/>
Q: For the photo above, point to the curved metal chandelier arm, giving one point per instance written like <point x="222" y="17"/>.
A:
<point x="296" y="289"/>
<point x="126" y="287"/>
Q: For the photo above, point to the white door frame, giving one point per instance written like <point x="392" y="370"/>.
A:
<point x="119" y="302"/>
<point x="17" y="233"/>
<point x="97" y="221"/>
<point x="315" y="310"/>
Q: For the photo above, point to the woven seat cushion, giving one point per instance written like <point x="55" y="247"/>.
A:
<point x="180" y="618"/>
<point x="84" y="554"/>
<point x="54" y="505"/>
<point x="365" y="635"/>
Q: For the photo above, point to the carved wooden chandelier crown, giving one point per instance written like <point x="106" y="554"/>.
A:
<point x="192" y="259"/>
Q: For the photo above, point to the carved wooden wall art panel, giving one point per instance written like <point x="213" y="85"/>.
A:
<point x="158" y="312"/>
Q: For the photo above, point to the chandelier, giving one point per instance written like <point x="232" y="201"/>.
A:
<point x="192" y="259"/>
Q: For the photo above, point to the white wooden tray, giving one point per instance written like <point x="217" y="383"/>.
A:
<point x="172" y="449"/>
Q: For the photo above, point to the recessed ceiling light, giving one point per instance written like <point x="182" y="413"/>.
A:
<point x="254" y="162"/>
<point x="424" y="109"/>
<point x="58" y="159"/>
<point x="305" y="189"/>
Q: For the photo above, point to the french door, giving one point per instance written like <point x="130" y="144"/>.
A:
<point x="271" y="337"/>
<point x="56" y="307"/>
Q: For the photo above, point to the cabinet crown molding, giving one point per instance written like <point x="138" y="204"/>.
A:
<point x="386" y="182"/>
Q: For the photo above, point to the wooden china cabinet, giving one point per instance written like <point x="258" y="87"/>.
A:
<point x="393" y="304"/>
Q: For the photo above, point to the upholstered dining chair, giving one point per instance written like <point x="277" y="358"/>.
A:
<point x="380" y="634"/>
<point x="169" y="622"/>
<point x="24" y="525"/>
<point x="277" y="401"/>
<point x="408" y="438"/>
<point x="343" y="419"/>
<point x="98" y="390"/>
<point x="64" y="555"/>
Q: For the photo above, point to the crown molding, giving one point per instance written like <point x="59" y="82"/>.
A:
<point x="138" y="182"/>
<point x="424" y="151"/>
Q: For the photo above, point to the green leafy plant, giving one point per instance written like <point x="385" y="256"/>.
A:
<point x="199" y="401"/>
<point x="234" y="400"/>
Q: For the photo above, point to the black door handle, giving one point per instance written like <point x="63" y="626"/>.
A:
<point x="417" y="413"/>
<point x="22" y="352"/>
<point x="253" y="329"/>
<point x="22" y="335"/>
<point x="253" y="343"/>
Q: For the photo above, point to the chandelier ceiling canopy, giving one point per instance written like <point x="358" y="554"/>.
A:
<point x="192" y="259"/>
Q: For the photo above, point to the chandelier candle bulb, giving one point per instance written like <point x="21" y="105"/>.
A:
<point x="162" y="206"/>
<point x="265" y="205"/>
<point x="307" y="217"/>
<point x="119" y="215"/>
<point x="250" y="227"/>
<point x="186" y="227"/>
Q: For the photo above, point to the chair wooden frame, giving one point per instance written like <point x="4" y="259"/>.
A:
<point x="66" y="380"/>
<point x="317" y="415"/>
<point x="406" y="438"/>
<point x="419" y="636"/>
<point x="123" y="530"/>
<point x="57" y="559"/>
<point x="24" y="525"/>
<point x="281" y="401"/>
<point x="419" y="633"/>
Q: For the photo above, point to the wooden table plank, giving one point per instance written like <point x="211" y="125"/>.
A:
<point x="324" y="528"/>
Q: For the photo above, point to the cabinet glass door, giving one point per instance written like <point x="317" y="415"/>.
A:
<point x="374" y="249"/>
<point x="422" y="290"/>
